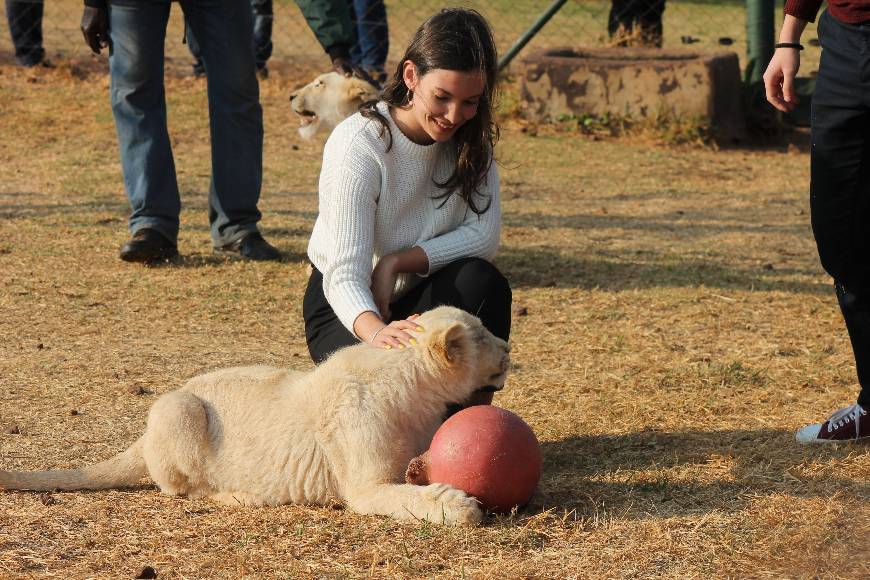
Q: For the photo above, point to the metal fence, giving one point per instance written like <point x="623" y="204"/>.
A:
<point x="697" y="24"/>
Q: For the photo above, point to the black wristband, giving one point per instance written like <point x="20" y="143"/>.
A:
<point x="796" y="45"/>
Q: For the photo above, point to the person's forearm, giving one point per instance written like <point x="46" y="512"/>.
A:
<point x="411" y="261"/>
<point x="366" y="325"/>
<point x="792" y="29"/>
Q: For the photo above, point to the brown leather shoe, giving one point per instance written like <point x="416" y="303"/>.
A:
<point x="849" y="424"/>
<point x="251" y="247"/>
<point x="148" y="245"/>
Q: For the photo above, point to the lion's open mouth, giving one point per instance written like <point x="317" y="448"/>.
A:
<point x="306" y="117"/>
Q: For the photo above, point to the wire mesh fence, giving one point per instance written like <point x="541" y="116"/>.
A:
<point x="698" y="24"/>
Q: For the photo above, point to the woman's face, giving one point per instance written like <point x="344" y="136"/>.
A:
<point x="443" y="101"/>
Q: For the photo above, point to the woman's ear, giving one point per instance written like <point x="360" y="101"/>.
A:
<point x="409" y="74"/>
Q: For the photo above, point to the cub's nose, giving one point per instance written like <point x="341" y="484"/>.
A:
<point x="292" y="96"/>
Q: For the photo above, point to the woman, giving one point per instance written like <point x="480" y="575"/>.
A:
<point x="409" y="198"/>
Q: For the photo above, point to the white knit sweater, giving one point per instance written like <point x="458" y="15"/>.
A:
<point x="374" y="202"/>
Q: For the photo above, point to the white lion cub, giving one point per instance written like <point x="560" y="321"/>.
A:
<point x="328" y="100"/>
<point x="344" y="431"/>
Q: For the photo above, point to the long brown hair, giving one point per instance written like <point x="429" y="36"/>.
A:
<point x="454" y="39"/>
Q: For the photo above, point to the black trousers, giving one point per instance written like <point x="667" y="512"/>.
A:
<point x="840" y="178"/>
<point x="646" y="15"/>
<point x="25" y="27"/>
<point x="472" y="284"/>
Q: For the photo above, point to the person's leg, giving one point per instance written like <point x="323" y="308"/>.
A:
<point x="193" y="47"/>
<point x="224" y="29"/>
<point x="263" y="17"/>
<point x="840" y="202"/>
<point x="373" y="37"/>
<point x="25" y="27"/>
<point x="471" y="284"/>
<point x="137" y="29"/>
<point x="649" y="19"/>
<point x="324" y="333"/>
<point x="621" y="20"/>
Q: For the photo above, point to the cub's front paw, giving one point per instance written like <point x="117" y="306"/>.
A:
<point x="453" y="506"/>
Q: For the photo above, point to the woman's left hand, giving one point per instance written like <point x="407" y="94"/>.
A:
<point x="383" y="282"/>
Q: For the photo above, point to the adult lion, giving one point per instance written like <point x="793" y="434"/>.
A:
<point x="345" y="431"/>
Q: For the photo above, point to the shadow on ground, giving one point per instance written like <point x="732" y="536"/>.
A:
<point x="755" y="463"/>
<point x="544" y="267"/>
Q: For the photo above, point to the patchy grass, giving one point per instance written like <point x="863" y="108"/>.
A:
<point x="678" y="329"/>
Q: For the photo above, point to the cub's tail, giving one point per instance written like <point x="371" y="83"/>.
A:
<point x="122" y="470"/>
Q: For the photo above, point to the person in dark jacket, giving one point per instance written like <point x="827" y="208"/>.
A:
<point x="840" y="175"/>
<point x="135" y="31"/>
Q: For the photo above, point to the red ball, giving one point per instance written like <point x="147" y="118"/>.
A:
<point x="488" y="453"/>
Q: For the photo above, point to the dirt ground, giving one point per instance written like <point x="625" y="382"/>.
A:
<point x="672" y="329"/>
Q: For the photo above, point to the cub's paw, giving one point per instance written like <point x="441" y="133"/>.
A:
<point x="452" y="506"/>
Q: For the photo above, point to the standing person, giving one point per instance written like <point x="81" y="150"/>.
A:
<point x="25" y="27"/>
<point x="840" y="175"/>
<point x="135" y="31"/>
<point x="643" y="16"/>
<point x="409" y="199"/>
<point x="373" y="38"/>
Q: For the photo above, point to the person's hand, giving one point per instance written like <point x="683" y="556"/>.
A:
<point x="397" y="334"/>
<point x="779" y="79"/>
<point x="384" y="282"/>
<point x="344" y="66"/>
<point x="95" y="28"/>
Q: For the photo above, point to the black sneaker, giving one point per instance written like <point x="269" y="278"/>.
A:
<point x="849" y="424"/>
<point x="251" y="247"/>
<point x="148" y="245"/>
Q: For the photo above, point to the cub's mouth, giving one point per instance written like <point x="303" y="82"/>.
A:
<point x="306" y="117"/>
<point x="477" y="397"/>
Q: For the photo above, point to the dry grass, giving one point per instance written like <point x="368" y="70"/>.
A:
<point x="679" y="329"/>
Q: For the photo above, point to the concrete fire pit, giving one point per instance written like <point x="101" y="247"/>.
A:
<point x="636" y="82"/>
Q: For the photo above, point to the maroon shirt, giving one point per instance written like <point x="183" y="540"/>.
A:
<point x="848" y="11"/>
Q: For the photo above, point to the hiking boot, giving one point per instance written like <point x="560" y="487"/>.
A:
<point x="252" y="246"/>
<point x="148" y="245"/>
<point x="849" y="424"/>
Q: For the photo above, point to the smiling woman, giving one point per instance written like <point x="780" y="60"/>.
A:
<point x="409" y="198"/>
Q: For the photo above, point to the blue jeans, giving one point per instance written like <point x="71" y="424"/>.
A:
<point x="373" y="36"/>
<point x="25" y="27"/>
<point x="263" y="17"/>
<point x="137" y="31"/>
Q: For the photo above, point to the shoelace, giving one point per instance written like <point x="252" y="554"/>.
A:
<point x="843" y="416"/>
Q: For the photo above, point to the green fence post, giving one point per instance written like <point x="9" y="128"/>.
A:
<point x="759" y="39"/>
<point x="530" y="33"/>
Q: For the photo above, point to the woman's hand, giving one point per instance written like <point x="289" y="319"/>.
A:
<point x="779" y="79"/>
<point x="397" y="334"/>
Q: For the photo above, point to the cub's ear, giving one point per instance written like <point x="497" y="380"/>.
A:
<point x="451" y="345"/>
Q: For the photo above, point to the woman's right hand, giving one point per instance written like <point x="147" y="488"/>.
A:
<point x="397" y="334"/>
<point x="779" y="79"/>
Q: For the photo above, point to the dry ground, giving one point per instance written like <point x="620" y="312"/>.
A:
<point x="678" y="329"/>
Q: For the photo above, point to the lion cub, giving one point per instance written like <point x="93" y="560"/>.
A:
<point x="344" y="431"/>
<point x="328" y="100"/>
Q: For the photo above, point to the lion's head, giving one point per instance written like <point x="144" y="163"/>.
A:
<point x="328" y="100"/>
<point x="457" y="346"/>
